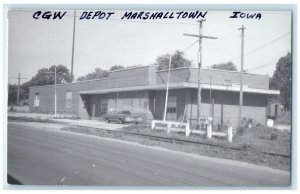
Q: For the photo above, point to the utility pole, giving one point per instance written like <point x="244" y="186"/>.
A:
<point x="210" y="111"/>
<point x="241" y="76"/>
<point x="18" y="90"/>
<point x="55" y="98"/>
<point x="73" y="46"/>
<point x="200" y="36"/>
<point x="167" y="90"/>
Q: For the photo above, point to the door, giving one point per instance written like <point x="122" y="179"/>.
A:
<point x="276" y="110"/>
<point x="171" y="108"/>
<point x="102" y="106"/>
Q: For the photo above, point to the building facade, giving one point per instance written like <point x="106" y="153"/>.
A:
<point x="142" y="91"/>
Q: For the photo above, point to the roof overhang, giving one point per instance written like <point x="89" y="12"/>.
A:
<point x="183" y="85"/>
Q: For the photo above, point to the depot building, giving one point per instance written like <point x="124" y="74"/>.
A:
<point x="141" y="90"/>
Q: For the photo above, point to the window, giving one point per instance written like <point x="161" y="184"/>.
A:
<point x="69" y="99"/>
<point x="112" y="104"/>
<point x="36" y="100"/>
<point x="102" y="107"/>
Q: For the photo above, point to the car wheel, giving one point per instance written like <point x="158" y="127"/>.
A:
<point x="121" y="121"/>
<point x="106" y="120"/>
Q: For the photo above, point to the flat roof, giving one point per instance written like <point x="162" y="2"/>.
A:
<point x="181" y="86"/>
<point x="145" y="66"/>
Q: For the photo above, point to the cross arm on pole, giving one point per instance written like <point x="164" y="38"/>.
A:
<point x="210" y="37"/>
<point x="194" y="35"/>
<point x="202" y="36"/>
<point x="242" y="28"/>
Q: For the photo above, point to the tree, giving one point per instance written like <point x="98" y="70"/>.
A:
<point x="281" y="80"/>
<point x="116" y="67"/>
<point x="45" y="76"/>
<point x="12" y="94"/>
<point x="178" y="60"/>
<point x="225" y="66"/>
<point x="98" y="73"/>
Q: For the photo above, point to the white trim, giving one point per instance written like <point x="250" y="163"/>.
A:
<point x="174" y="69"/>
<point x="182" y="85"/>
<point x="237" y="89"/>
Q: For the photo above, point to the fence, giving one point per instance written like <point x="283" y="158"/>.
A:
<point x="172" y="126"/>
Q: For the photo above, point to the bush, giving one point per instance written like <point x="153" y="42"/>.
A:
<point x="241" y="131"/>
<point x="274" y="135"/>
<point x="246" y="146"/>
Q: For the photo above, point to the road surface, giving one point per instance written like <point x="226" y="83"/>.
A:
<point x="40" y="155"/>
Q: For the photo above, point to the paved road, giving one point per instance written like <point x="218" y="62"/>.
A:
<point x="49" y="156"/>
<point x="77" y="122"/>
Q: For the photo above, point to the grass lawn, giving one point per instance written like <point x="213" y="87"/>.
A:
<point x="259" y="139"/>
<point x="283" y="119"/>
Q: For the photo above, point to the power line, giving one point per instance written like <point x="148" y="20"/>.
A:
<point x="262" y="46"/>
<point x="255" y="68"/>
<point x="261" y="66"/>
<point x="269" y="43"/>
<point x="184" y="51"/>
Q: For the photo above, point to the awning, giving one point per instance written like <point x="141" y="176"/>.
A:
<point x="181" y="86"/>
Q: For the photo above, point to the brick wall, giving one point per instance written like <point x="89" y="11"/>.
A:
<point x="176" y="76"/>
<point x="218" y="77"/>
<point x="138" y="76"/>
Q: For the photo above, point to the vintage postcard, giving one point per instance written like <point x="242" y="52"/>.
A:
<point x="187" y="97"/>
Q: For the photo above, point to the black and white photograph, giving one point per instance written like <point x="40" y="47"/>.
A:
<point x="149" y="98"/>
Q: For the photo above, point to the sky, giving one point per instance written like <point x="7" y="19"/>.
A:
<point x="39" y="43"/>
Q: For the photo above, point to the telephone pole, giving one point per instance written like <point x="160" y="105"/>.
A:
<point x="55" y="96"/>
<point x="167" y="90"/>
<point x="73" y="47"/>
<point x="241" y="76"/>
<point x="200" y="36"/>
<point x="19" y="83"/>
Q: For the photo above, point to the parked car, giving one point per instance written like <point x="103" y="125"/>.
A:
<point x="122" y="117"/>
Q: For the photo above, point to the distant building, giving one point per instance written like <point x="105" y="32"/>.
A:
<point x="142" y="90"/>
